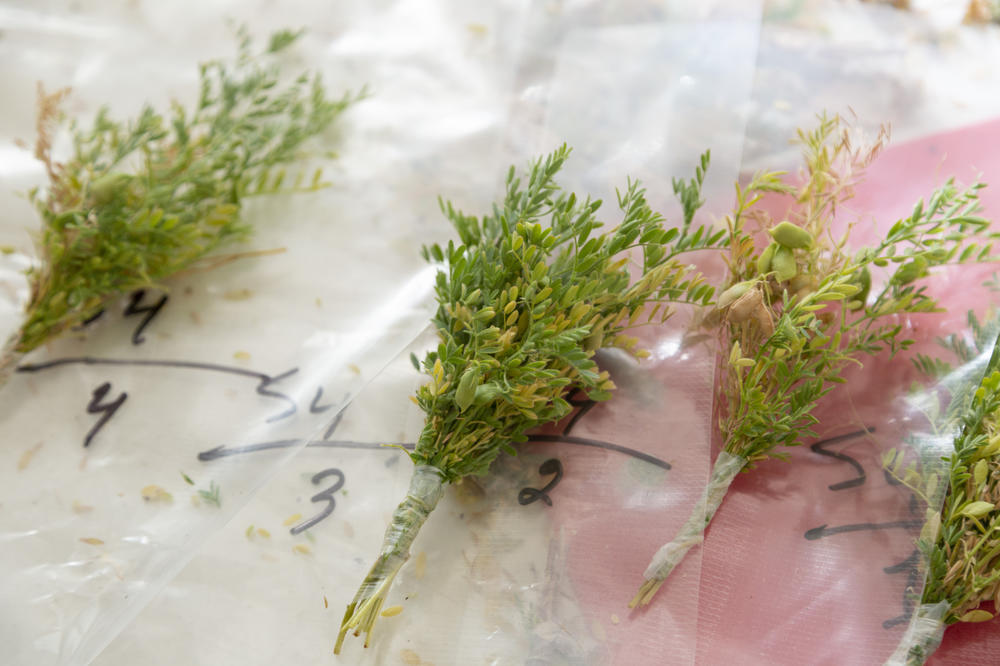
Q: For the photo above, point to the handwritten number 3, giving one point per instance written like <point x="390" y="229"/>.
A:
<point x="325" y="495"/>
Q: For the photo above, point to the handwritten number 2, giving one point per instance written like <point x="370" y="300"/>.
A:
<point x="529" y="495"/>
<point x="106" y="409"/>
<point x="323" y="496"/>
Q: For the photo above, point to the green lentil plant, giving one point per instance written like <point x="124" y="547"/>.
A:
<point x="138" y="201"/>
<point x="526" y="297"/>
<point x="960" y="542"/>
<point x="796" y="312"/>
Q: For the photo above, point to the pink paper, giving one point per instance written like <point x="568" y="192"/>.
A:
<point x="768" y="594"/>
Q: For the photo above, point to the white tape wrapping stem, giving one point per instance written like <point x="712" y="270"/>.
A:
<point x="727" y="466"/>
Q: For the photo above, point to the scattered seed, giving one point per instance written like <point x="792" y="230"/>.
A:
<point x="241" y="355"/>
<point x="93" y="541"/>
<point x="81" y="508"/>
<point x="237" y="294"/>
<point x="26" y="457"/>
<point x="294" y="518"/>
<point x="410" y="658"/>
<point x="326" y="604"/>
<point x="392" y="611"/>
<point x="249" y="532"/>
<point x="264" y="533"/>
<point x="615" y="619"/>
<point x="301" y="549"/>
<point x="155" y="493"/>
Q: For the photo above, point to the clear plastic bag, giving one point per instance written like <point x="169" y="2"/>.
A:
<point x="814" y="561"/>
<point x="497" y="572"/>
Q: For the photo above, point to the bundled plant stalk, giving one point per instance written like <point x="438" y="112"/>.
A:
<point x="959" y="542"/>
<point x="795" y="313"/>
<point x="139" y="201"/>
<point x="527" y="297"/>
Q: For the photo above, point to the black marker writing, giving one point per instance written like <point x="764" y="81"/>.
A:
<point x="322" y="496"/>
<point x="106" y="410"/>
<point x="530" y="495"/>
<point x="584" y="441"/>
<point x="824" y="531"/>
<point x="314" y="406"/>
<point x="134" y="308"/>
<point x="264" y="380"/>
<point x="911" y="567"/>
<point x="225" y="451"/>
<point x="820" y="448"/>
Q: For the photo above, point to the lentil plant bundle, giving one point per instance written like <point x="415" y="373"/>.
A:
<point x="139" y="201"/>
<point x="530" y="293"/>
<point x="960" y="543"/>
<point x="796" y="312"/>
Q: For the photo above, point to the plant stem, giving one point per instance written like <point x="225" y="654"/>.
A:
<point x="426" y="488"/>
<point x="727" y="466"/>
<point x="9" y="358"/>
<point x="922" y="637"/>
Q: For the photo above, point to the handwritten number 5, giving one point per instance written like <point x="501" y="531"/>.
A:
<point x="325" y="495"/>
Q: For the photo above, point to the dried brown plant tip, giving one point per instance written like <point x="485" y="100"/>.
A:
<point x="139" y="201"/>
<point x="797" y="311"/>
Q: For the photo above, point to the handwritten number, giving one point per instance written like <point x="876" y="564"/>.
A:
<point x="314" y="406"/>
<point x="262" y="389"/>
<point x="820" y="448"/>
<point x="134" y="308"/>
<point x="106" y="410"/>
<point x="323" y="496"/>
<point x="824" y="531"/>
<point x="530" y="495"/>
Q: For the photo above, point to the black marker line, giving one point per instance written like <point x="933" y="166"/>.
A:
<point x="187" y="365"/>
<point x="133" y="308"/>
<point x="262" y="390"/>
<point x="106" y="410"/>
<point x="89" y="320"/>
<point x="264" y="379"/>
<point x="530" y="495"/>
<point x="584" y="441"/>
<point x="824" y="531"/>
<point x="333" y="425"/>
<point x="225" y="451"/>
<point x="314" y="406"/>
<point x="818" y="447"/>
<point x="336" y="419"/>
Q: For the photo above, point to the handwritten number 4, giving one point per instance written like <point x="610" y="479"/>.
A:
<point x="323" y="496"/>
<point x="105" y="409"/>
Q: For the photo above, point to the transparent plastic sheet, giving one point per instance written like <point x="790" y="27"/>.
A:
<point x="921" y="69"/>
<point x="814" y="561"/>
<point x="257" y="355"/>
<point x="498" y="575"/>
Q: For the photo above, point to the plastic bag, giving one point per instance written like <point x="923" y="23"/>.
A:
<point x="814" y="561"/>
<point x="497" y="572"/>
<point x="260" y="353"/>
